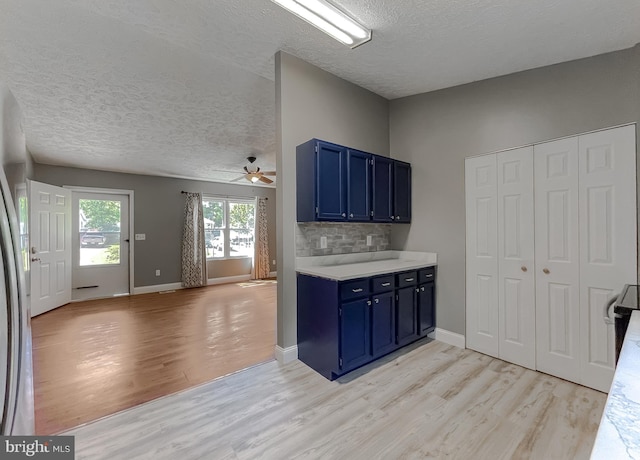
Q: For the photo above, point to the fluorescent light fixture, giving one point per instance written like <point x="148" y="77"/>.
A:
<point x="329" y="19"/>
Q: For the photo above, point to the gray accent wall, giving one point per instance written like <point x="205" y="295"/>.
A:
<point x="436" y="131"/>
<point x="313" y="103"/>
<point x="158" y="212"/>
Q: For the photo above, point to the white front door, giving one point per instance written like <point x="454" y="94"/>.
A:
<point x="100" y="244"/>
<point x="482" y="254"/>
<point x="516" y="274"/>
<point x="607" y="243"/>
<point x="50" y="233"/>
<point x="557" y="258"/>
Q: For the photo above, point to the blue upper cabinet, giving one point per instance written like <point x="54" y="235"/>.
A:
<point x="339" y="184"/>
<point x="358" y="185"/>
<point x="402" y="192"/>
<point x="382" y="189"/>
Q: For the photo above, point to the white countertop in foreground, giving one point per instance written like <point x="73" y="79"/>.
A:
<point x="619" y="432"/>
<point x="350" y="266"/>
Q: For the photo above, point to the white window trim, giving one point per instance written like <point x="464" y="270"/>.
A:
<point x="225" y="219"/>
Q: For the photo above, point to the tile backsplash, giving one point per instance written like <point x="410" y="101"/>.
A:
<point x="342" y="238"/>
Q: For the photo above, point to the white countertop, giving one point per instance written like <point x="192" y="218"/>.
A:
<point x="619" y="431"/>
<point x="359" y="265"/>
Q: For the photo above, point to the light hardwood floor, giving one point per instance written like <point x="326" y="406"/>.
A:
<point x="429" y="401"/>
<point x="99" y="357"/>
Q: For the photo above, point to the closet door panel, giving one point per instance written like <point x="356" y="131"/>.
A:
<point x="607" y="242"/>
<point x="482" y="254"/>
<point x="516" y="287"/>
<point x="557" y="258"/>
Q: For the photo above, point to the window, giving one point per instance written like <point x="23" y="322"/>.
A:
<point x="228" y="227"/>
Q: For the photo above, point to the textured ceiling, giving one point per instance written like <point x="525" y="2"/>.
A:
<point x="185" y="88"/>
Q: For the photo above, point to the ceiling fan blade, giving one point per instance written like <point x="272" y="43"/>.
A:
<point x="266" y="180"/>
<point x="269" y="173"/>
<point x="238" y="178"/>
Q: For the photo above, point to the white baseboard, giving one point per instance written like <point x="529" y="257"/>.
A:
<point x="286" y="355"/>
<point x="273" y="274"/>
<point x="157" y="288"/>
<point x="228" y="279"/>
<point x="448" y="337"/>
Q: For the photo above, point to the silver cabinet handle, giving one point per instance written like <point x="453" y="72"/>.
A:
<point x="377" y="300"/>
<point x="357" y="290"/>
<point x="368" y="302"/>
<point x="386" y="284"/>
<point x="393" y="217"/>
<point x="397" y="217"/>
<point x="422" y="289"/>
<point x="417" y="290"/>
<point x="351" y="215"/>
<point x="408" y="279"/>
<point x="344" y="215"/>
<point x="429" y="276"/>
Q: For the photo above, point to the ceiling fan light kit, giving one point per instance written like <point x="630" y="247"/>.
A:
<point x="329" y="19"/>
<point x="253" y="174"/>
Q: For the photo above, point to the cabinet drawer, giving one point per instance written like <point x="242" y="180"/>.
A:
<point x="427" y="274"/>
<point x="383" y="283"/>
<point x="406" y="279"/>
<point x="354" y="289"/>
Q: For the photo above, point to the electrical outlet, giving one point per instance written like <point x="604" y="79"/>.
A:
<point x="323" y="242"/>
<point x="141" y="236"/>
<point x="369" y="240"/>
<point x="274" y="261"/>
<point x="157" y="272"/>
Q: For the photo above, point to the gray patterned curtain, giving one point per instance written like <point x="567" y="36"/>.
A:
<point x="194" y="257"/>
<point x="261" y="268"/>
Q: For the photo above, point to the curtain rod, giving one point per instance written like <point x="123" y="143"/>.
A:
<point x="230" y="196"/>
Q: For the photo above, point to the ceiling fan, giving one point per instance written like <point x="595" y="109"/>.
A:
<point x="253" y="173"/>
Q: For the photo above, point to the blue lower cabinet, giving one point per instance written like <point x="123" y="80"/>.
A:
<point x="383" y="324"/>
<point x="355" y="338"/>
<point x="407" y="317"/>
<point x="343" y="325"/>
<point x="426" y="308"/>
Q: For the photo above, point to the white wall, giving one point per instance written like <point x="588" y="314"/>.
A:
<point x="313" y="103"/>
<point x="436" y="131"/>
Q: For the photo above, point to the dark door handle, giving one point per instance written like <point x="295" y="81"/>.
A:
<point x="127" y="240"/>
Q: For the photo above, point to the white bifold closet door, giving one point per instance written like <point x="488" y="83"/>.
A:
<point x="608" y="222"/>
<point x="516" y="274"/>
<point x="551" y="238"/>
<point x="482" y="254"/>
<point x="557" y="258"/>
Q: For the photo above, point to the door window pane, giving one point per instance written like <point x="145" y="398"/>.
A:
<point x="99" y="232"/>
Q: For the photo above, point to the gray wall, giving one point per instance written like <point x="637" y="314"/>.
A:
<point x="436" y="131"/>
<point x="158" y="212"/>
<point x="313" y="103"/>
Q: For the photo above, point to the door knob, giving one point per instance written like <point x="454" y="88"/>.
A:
<point x="35" y="259"/>
<point x="523" y="268"/>
<point x="545" y="271"/>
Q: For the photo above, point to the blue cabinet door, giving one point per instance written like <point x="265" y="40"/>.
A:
<point x="426" y="308"/>
<point x="383" y="324"/>
<point x="330" y="182"/>
<point x="358" y="185"/>
<point x="402" y="191"/>
<point x="355" y="340"/>
<point x="406" y="317"/>
<point x="382" y="189"/>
